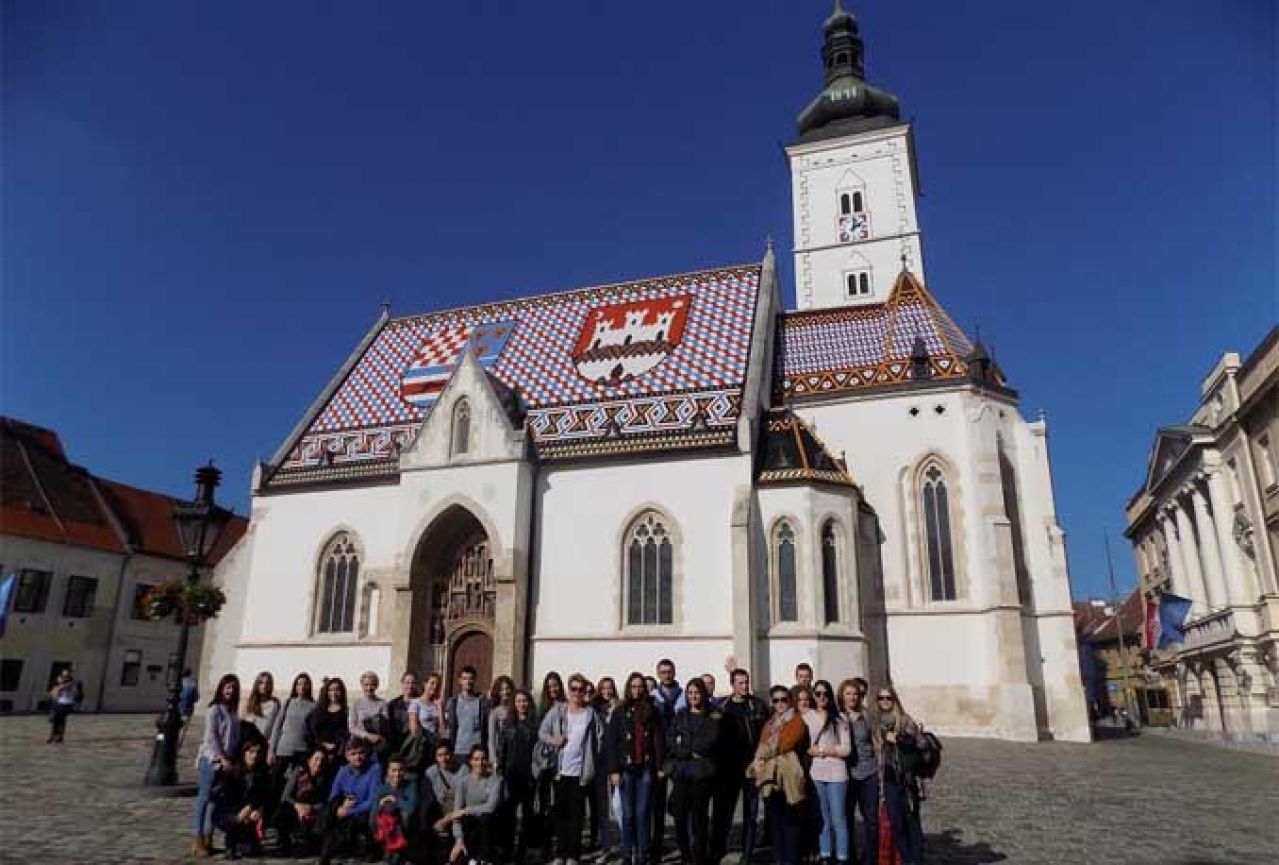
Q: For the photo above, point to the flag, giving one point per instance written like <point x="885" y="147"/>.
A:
<point x="7" y="585"/>
<point x="1168" y="622"/>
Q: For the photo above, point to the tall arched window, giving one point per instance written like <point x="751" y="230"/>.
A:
<point x="650" y="565"/>
<point x="785" y="585"/>
<point x="461" y="427"/>
<point x="339" y="575"/>
<point x="858" y="203"/>
<point x="937" y="535"/>
<point x="830" y="572"/>
<point x="845" y="204"/>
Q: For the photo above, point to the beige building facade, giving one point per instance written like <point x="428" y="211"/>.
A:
<point x="1205" y="526"/>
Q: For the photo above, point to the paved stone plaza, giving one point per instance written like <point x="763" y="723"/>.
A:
<point x="1142" y="800"/>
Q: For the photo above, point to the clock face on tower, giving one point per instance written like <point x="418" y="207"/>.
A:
<point x="852" y="227"/>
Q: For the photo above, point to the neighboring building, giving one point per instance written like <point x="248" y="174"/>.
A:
<point x="84" y="551"/>
<point x="1115" y="679"/>
<point x="1205" y="526"/>
<point x="594" y="479"/>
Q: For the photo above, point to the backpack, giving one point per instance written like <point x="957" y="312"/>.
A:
<point x="928" y="760"/>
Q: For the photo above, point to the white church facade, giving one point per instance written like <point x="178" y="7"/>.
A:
<point x="679" y="467"/>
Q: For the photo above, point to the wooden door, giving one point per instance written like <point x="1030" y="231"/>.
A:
<point x="475" y="649"/>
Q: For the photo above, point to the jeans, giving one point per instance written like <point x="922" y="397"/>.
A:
<point x="784" y="827"/>
<point x="637" y="793"/>
<point x="726" y="795"/>
<point x="903" y="813"/>
<point x="202" y="819"/>
<point x="863" y="796"/>
<point x="570" y="802"/>
<point x="832" y="795"/>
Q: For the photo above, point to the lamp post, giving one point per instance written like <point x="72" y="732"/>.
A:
<point x="199" y="524"/>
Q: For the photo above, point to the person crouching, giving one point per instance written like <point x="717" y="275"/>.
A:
<point x="396" y="806"/>
<point x="241" y="799"/>
<point x="351" y="802"/>
<point x="475" y="800"/>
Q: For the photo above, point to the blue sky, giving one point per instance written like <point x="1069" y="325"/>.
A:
<point x="205" y="203"/>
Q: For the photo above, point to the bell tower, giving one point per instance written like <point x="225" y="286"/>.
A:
<point x="853" y="182"/>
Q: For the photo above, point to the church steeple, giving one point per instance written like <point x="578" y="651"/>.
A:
<point x="848" y="103"/>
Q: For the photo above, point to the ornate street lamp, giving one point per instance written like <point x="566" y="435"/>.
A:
<point x="199" y="524"/>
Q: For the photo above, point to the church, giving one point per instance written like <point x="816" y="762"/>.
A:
<point x="680" y="467"/>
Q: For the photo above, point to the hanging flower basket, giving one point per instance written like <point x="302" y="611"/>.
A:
<point x="194" y="603"/>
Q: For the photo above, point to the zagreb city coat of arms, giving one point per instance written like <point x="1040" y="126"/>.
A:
<point x="623" y="341"/>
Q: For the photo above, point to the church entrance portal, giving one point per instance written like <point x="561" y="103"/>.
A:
<point x="454" y="600"/>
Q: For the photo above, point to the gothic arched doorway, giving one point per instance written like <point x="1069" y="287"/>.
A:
<point x="454" y="599"/>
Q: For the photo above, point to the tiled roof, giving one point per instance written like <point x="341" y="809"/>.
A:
<point x="850" y="348"/>
<point x="147" y="520"/>
<point x="792" y="452"/>
<point x="44" y="496"/>
<point x="638" y="365"/>
<point x="1097" y="623"/>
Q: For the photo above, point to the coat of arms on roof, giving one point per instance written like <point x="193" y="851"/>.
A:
<point x="436" y="358"/>
<point x="626" y="340"/>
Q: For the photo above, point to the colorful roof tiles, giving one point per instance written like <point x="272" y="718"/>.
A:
<point x="849" y="348"/>
<point x="643" y="363"/>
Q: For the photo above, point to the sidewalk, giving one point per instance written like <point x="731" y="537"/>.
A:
<point x="1214" y="739"/>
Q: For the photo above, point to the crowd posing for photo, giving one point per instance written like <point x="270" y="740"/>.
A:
<point x="581" y="770"/>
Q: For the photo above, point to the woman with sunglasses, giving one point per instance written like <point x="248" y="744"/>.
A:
<point x="774" y="769"/>
<point x="863" y="769"/>
<point x="572" y="730"/>
<point x="896" y="732"/>
<point x="828" y="748"/>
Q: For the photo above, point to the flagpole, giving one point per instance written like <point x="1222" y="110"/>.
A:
<point x="1129" y="702"/>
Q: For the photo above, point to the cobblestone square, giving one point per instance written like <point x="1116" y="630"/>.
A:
<point x="1146" y="799"/>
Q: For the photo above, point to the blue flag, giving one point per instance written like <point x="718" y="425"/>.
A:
<point x="7" y="585"/>
<point x="1173" y="610"/>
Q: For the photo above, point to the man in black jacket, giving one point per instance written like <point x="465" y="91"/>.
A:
<point x="744" y="716"/>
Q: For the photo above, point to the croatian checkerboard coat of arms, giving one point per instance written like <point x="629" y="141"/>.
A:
<point x="624" y="341"/>
<point x="438" y="355"/>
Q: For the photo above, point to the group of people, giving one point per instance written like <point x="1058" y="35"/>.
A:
<point x="488" y="778"/>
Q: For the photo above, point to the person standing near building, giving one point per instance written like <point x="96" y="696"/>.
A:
<point x="633" y="753"/>
<point x="668" y="696"/>
<point x="501" y="696"/>
<point x="779" y="773"/>
<point x="369" y="723"/>
<point x="803" y="675"/>
<point x="863" y="769"/>
<point x="261" y="709"/>
<point x="63" y="696"/>
<point x="743" y="717"/>
<point x="430" y="709"/>
<point x="217" y="754"/>
<point x="572" y="729"/>
<point x="329" y="724"/>
<point x="397" y="712"/>
<point x="466" y="715"/>
<point x="828" y="751"/>
<point x="600" y="832"/>
<point x="288" y="744"/>
<point x="691" y="742"/>
<point x="516" y="741"/>
<point x="896" y="732"/>
<point x="188" y="696"/>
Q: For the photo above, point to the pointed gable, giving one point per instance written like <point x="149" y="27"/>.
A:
<point x="1172" y="443"/>
<point x="850" y="348"/>
<point x="644" y="365"/>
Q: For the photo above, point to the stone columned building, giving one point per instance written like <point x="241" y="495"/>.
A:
<point x="679" y="466"/>
<point x="1205" y="526"/>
